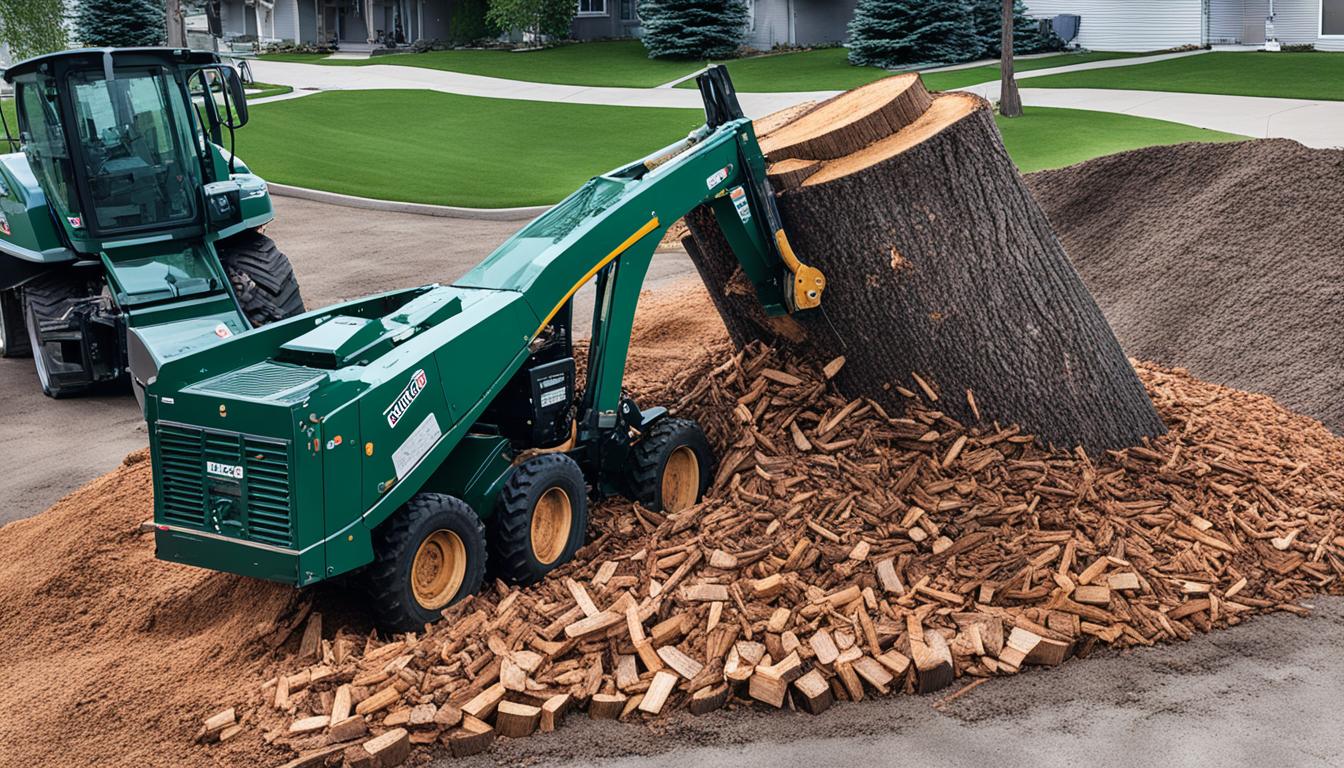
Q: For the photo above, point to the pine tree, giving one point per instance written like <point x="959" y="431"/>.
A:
<point x="889" y="33"/>
<point x="1027" y="35"/>
<point x="121" y="23"/>
<point x="693" y="29"/>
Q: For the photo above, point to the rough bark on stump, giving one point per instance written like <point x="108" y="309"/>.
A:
<point x="939" y="263"/>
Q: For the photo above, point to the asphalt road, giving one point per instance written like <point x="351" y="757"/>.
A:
<point x="52" y="447"/>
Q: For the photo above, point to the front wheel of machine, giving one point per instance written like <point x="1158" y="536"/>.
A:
<point x="262" y="278"/>
<point x="671" y="467"/>
<point x="429" y="555"/>
<point x="540" y="520"/>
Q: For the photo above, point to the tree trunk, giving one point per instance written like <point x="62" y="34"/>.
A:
<point x="1010" y="102"/>
<point x="939" y="265"/>
<point x="173" y="14"/>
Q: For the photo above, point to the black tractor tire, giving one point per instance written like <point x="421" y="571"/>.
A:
<point x="541" y="519"/>
<point x="262" y="278"/>
<point x="49" y="298"/>
<point x="14" y="341"/>
<point x="673" y="459"/>
<point x="442" y="529"/>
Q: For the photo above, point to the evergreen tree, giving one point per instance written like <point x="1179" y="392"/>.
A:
<point x="121" y="23"/>
<point x="1027" y="35"/>
<point x="693" y="29"/>
<point x="890" y="33"/>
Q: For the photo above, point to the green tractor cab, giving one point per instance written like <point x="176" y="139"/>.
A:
<point x="128" y="233"/>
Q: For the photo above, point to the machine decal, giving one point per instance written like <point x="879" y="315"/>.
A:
<point x="414" y="447"/>
<point x="739" y="196"/>
<point x="222" y="331"/>
<point x="76" y="221"/>
<point x="4" y="224"/>
<point x="231" y="471"/>
<point x="408" y="394"/>
<point x="718" y="176"/>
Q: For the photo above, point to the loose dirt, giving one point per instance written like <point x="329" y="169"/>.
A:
<point x="1222" y="258"/>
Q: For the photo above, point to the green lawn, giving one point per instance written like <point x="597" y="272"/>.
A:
<point x="828" y="69"/>
<point x="618" y="63"/>
<point x="1308" y="75"/>
<point x="1053" y="138"/>
<point x="430" y="147"/>
<point x="265" y="90"/>
<point x="476" y="152"/>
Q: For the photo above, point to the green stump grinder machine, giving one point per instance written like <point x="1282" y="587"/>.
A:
<point x="416" y="438"/>
<point x="128" y="233"/>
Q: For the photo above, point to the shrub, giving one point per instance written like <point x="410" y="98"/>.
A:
<point x="890" y="33"/>
<point x="693" y="29"/>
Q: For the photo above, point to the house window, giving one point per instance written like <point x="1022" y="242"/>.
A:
<point x="1332" y="18"/>
<point x="628" y="9"/>
<point x="592" y="7"/>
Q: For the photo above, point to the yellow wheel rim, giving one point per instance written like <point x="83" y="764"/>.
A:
<point x="438" y="569"/>
<point x="552" y="518"/>
<point x="681" y="480"/>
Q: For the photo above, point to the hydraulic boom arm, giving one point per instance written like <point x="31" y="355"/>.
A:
<point x="610" y="228"/>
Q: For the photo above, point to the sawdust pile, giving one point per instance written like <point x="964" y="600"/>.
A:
<point x="1222" y="258"/>
<point x="108" y="653"/>
<point x="845" y="552"/>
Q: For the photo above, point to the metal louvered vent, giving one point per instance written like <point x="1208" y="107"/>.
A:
<point x="181" y="473"/>
<point x="269" y="505"/>
<point x="201" y="490"/>
<point x="263" y="381"/>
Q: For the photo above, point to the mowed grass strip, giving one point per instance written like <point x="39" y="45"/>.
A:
<point x="1046" y="138"/>
<point x="617" y="63"/>
<point x="429" y="147"/>
<point x="1302" y="75"/>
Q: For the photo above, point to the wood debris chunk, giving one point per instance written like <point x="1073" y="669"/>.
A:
<point x="516" y="720"/>
<point x="659" y="689"/>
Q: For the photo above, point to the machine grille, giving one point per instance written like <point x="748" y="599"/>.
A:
<point x="192" y="496"/>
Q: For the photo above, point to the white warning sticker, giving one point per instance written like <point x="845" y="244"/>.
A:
<point x="739" y="198"/>
<point x="717" y="177"/>
<point x="416" y="445"/>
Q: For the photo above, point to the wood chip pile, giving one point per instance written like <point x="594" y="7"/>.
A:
<point x="846" y="552"/>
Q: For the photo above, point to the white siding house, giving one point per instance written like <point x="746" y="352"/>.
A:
<point x="1130" y="25"/>
<point x="1152" y="25"/>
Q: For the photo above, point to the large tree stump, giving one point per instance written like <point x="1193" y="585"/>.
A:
<point x="939" y="264"/>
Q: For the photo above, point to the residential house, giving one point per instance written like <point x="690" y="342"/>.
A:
<point x="797" y="22"/>
<point x="362" y="24"/>
<point x="1150" y="25"/>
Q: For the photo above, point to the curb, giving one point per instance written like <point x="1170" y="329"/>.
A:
<point x="421" y="209"/>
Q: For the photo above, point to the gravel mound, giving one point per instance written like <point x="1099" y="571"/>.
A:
<point x="1224" y="259"/>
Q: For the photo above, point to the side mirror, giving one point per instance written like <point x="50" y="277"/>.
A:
<point x="237" y="108"/>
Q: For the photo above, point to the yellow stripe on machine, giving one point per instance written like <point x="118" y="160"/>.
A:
<point x="617" y="251"/>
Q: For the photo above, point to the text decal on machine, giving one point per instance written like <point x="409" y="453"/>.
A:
<point x="408" y="394"/>
<point x="217" y="469"/>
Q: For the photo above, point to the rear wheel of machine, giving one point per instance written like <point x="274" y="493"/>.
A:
<point x="45" y="299"/>
<point x="262" y="278"/>
<point x="541" y="518"/>
<point x="13" y="336"/>
<point x="429" y="555"/>
<point x="671" y="467"/>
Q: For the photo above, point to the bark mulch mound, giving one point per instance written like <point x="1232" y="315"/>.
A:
<point x="1225" y="259"/>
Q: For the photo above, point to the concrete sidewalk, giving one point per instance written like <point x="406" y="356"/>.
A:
<point x="1317" y="124"/>
<point x="303" y="77"/>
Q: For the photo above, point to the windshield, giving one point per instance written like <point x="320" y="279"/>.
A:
<point x="134" y="139"/>
<point x="44" y="143"/>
